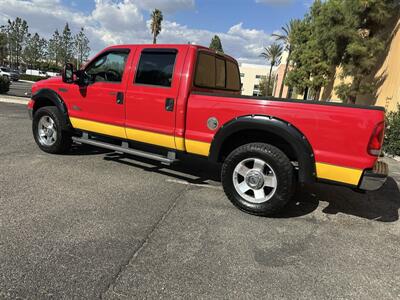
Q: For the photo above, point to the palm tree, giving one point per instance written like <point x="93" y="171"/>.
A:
<point x="156" y="19"/>
<point x="286" y="39"/>
<point x="273" y="54"/>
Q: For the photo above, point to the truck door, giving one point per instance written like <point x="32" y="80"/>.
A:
<point x="99" y="105"/>
<point x="152" y="94"/>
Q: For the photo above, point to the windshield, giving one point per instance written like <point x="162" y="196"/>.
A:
<point x="5" y="69"/>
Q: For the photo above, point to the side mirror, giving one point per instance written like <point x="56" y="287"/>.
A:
<point x="68" y="73"/>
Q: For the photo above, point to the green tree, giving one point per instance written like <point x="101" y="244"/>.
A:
<point x="216" y="44"/>
<point x="17" y="34"/>
<point x="3" y="47"/>
<point x="263" y="85"/>
<point x="4" y="85"/>
<point x="272" y="54"/>
<point x="66" y="50"/>
<point x="286" y="38"/>
<point x="392" y="141"/>
<point x="365" y="20"/>
<point x="156" y="20"/>
<point x="82" y="49"/>
<point x="35" y="50"/>
<point x="54" y="48"/>
<point x="312" y="66"/>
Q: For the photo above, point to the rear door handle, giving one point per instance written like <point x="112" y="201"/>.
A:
<point x="120" y="98"/>
<point x="169" y="104"/>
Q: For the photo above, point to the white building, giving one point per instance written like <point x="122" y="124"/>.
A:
<point x="250" y="75"/>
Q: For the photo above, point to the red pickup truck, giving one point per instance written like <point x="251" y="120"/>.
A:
<point x="187" y="99"/>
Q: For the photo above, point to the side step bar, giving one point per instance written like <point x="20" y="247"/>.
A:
<point x="167" y="160"/>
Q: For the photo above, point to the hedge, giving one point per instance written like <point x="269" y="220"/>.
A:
<point x="4" y="85"/>
<point x="391" y="145"/>
<point x="31" y="77"/>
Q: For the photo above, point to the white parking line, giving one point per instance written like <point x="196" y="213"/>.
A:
<point x="195" y="184"/>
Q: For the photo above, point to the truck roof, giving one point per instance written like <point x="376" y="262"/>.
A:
<point x="169" y="46"/>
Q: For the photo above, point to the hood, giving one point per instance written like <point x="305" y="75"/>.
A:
<point x="46" y="83"/>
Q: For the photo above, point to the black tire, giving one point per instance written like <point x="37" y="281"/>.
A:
<point x="276" y="161"/>
<point x="63" y="138"/>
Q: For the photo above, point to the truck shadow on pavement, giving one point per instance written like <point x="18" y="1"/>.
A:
<point x="382" y="205"/>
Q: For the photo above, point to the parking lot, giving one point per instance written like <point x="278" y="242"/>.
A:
<point x="19" y="88"/>
<point x="94" y="224"/>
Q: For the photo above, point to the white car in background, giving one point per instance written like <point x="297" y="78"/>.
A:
<point x="36" y="73"/>
<point x="52" y="74"/>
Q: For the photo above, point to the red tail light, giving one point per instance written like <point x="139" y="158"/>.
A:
<point x="376" y="141"/>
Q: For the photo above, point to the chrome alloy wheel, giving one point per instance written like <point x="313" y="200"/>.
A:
<point x="255" y="180"/>
<point x="47" y="131"/>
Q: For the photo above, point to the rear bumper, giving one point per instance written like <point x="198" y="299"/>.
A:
<point x="374" y="179"/>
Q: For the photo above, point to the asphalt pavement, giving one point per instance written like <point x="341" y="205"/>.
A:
<point x="95" y="224"/>
<point x="19" y="88"/>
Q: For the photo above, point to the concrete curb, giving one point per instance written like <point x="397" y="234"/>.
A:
<point x="28" y="81"/>
<point x="12" y="99"/>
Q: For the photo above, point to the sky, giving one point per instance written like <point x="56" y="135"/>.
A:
<point x="244" y="26"/>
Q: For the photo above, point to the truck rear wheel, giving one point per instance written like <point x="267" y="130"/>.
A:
<point x="48" y="131"/>
<point x="258" y="178"/>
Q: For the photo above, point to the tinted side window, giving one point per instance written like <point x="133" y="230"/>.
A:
<point x="232" y="76"/>
<point x="156" y="68"/>
<point x="220" y="73"/>
<point x="108" y="67"/>
<point x="205" y="71"/>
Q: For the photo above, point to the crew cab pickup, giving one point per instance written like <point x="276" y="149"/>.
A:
<point x="185" y="99"/>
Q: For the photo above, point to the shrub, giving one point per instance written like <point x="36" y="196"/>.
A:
<point x="31" y="77"/>
<point x="392" y="135"/>
<point x="4" y="85"/>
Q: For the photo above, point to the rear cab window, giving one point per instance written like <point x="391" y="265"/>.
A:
<point x="216" y="72"/>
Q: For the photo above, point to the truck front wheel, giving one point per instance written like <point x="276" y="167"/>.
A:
<point x="48" y="131"/>
<point x="258" y="178"/>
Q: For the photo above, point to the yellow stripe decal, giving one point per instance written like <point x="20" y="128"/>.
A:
<point x="197" y="147"/>
<point x="98" y="127"/>
<point x="339" y="174"/>
<point x="148" y="137"/>
<point x="180" y="143"/>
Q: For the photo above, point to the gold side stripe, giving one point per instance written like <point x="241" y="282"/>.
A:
<point x="197" y="147"/>
<point x="143" y="136"/>
<point x="98" y="127"/>
<point x="148" y="137"/>
<point x="339" y="174"/>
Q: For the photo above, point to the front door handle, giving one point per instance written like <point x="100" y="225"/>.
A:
<point x="169" y="104"/>
<point x="120" y="98"/>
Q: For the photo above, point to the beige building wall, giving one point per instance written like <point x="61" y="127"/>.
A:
<point x="250" y="76"/>
<point x="387" y="78"/>
<point x="388" y="93"/>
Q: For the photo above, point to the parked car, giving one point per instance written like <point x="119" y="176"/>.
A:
<point x="8" y="73"/>
<point x="36" y="73"/>
<point x="186" y="99"/>
<point x="52" y="74"/>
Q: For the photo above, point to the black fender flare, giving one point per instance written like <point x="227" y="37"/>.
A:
<point x="55" y="98"/>
<point x="274" y="126"/>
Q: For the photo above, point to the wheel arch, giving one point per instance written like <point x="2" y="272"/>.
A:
<point x="261" y="128"/>
<point x="48" y="97"/>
